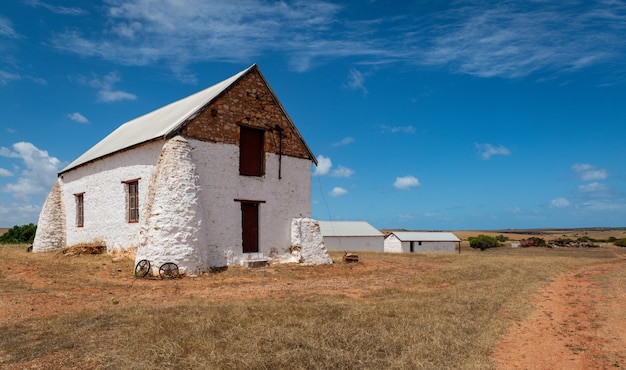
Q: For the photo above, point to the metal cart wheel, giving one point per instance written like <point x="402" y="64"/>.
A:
<point x="168" y="270"/>
<point x="142" y="268"/>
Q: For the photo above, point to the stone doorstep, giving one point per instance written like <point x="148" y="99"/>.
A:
<point x="256" y="263"/>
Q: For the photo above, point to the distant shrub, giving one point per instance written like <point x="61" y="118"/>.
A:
<point x="24" y="234"/>
<point x="533" y="241"/>
<point x="620" y="242"/>
<point x="483" y="242"/>
<point x="501" y="238"/>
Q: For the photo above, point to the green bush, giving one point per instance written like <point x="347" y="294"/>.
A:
<point x="501" y="238"/>
<point x="483" y="242"/>
<point x="620" y="243"/>
<point x="24" y="234"/>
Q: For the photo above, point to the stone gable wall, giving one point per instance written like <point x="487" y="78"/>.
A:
<point x="249" y="103"/>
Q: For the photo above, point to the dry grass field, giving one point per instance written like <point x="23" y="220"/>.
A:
<point x="391" y="311"/>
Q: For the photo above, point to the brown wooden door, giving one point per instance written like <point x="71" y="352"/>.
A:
<point x="250" y="227"/>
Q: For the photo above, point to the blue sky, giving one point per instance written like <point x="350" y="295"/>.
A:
<point x="423" y="115"/>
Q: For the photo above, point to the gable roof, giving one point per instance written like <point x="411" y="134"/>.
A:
<point x="348" y="228"/>
<point x="167" y="121"/>
<point x="425" y="236"/>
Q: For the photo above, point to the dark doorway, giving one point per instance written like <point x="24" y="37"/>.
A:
<point x="250" y="227"/>
<point x="412" y="247"/>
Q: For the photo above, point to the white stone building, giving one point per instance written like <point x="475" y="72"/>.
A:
<point x="212" y="179"/>
<point x="351" y="236"/>
<point x="420" y="242"/>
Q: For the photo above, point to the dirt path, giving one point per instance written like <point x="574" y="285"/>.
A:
<point x="580" y="323"/>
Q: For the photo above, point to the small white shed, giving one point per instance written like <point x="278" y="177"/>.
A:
<point x="420" y="242"/>
<point x="351" y="236"/>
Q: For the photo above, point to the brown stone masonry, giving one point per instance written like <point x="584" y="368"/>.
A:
<point x="251" y="103"/>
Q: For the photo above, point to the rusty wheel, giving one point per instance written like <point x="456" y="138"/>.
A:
<point x="168" y="270"/>
<point x="142" y="268"/>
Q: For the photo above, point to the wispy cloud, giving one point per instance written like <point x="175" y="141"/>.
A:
<point x="592" y="187"/>
<point x="486" y="151"/>
<point x="406" y="183"/>
<point x="6" y="28"/>
<point x="344" y="141"/>
<point x="398" y="129"/>
<point x="338" y="191"/>
<point x="507" y="39"/>
<point x="342" y="171"/>
<point x="64" y="10"/>
<point x="105" y="86"/>
<point x="587" y="172"/>
<point x="5" y="173"/>
<point x="77" y="117"/>
<point x="356" y="81"/>
<point x="559" y="203"/>
<point x="39" y="173"/>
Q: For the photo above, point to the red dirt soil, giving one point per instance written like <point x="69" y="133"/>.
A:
<point x="579" y="323"/>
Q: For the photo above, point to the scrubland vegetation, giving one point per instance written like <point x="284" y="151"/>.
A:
<point x="391" y="311"/>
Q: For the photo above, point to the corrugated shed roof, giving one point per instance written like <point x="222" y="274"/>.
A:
<point x="426" y="236"/>
<point x="163" y="122"/>
<point x="348" y="228"/>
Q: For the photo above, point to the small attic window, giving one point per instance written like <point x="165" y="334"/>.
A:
<point x="251" y="151"/>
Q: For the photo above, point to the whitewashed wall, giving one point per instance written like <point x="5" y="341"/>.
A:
<point x="284" y="199"/>
<point x="442" y="247"/>
<point x="392" y="244"/>
<point x="217" y="167"/>
<point x="105" y="195"/>
<point x="354" y="243"/>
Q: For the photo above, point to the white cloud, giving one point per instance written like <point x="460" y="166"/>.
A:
<point x="559" y="203"/>
<point x="39" y="174"/>
<point x="342" y="171"/>
<point x="323" y="166"/>
<point x="515" y="39"/>
<point x="6" y="77"/>
<point x="56" y="8"/>
<point x="5" y="173"/>
<point x="487" y="150"/>
<point x="6" y="28"/>
<point x="592" y="187"/>
<point x="587" y="172"/>
<point x="398" y="129"/>
<point x="111" y="96"/>
<point x="338" y="191"/>
<point x="18" y="213"/>
<point x="511" y="39"/>
<point x="356" y="81"/>
<point x="77" y="117"/>
<point x="406" y="183"/>
<point x="106" y="92"/>
<point x="344" y="141"/>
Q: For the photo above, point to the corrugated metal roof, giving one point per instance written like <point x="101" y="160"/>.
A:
<point x="348" y="228"/>
<point x="426" y="236"/>
<point x="158" y="123"/>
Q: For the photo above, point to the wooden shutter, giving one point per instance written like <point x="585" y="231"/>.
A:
<point x="251" y="154"/>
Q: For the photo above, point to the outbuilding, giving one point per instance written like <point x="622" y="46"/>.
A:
<point x="216" y="178"/>
<point x="421" y="242"/>
<point x="351" y="236"/>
